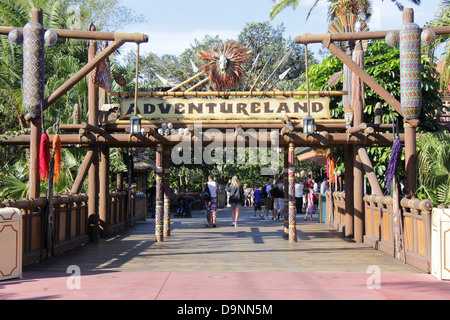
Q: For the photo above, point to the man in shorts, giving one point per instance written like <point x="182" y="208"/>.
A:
<point x="278" y="199"/>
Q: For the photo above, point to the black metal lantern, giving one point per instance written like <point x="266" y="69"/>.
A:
<point x="308" y="125"/>
<point x="135" y="125"/>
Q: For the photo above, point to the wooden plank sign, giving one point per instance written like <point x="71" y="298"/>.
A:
<point x="224" y="109"/>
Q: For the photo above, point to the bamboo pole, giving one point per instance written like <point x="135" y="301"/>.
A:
<point x="228" y="93"/>
<point x="186" y="81"/>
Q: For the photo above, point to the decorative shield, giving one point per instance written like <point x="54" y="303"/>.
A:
<point x="410" y="71"/>
<point x="33" y="68"/>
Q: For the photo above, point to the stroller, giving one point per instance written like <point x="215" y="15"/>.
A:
<point x="180" y="210"/>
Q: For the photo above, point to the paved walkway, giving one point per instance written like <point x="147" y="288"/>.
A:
<point x="252" y="261"/>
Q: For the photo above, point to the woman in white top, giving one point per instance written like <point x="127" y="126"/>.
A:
<point x="211" y="206"/>
<point x="298" y="194"/>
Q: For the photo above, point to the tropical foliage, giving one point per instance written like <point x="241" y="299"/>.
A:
<point x="383" y="64"/>
<point x="442" y="18"/>
<point x="62" y="60"/>
<point x="434" y="167"/>
<point x="335" y="7"/>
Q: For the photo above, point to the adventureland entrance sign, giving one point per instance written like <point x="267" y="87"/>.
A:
<point x="224" y="109"/>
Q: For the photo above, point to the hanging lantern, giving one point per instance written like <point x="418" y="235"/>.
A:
<point x="308" y="125"/>
<point x="135" y="125"/>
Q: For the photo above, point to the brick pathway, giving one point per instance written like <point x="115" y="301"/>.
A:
<point x="252" y="261"/>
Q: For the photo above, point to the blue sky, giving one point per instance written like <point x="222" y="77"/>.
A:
<point x="173" y="24"/>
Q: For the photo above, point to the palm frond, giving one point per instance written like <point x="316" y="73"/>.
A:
<point x="280" y="5"/>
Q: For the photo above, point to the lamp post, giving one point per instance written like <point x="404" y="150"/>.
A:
<point x="135" y="125"/>
<point x="308" y="121"/>
<point x="135" y="121"/>
<point x="308" y="125"/>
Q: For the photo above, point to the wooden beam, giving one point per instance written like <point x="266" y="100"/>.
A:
<point x="383" y="93"/>
<point x="82" y="173"/>
<point x="349" y="36"/>
<point x="139" y="140"/>
<point x="89" y="35"/>
<point x="368" y="168"/>
<point x="228" y="93"/>
<point x="83" y="72"/>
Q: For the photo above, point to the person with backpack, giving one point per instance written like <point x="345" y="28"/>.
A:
<point x="277" y="193"/>
<point x="210" y="194"/>
<point x="236" y="198"/>
<point x="266" y="198"/>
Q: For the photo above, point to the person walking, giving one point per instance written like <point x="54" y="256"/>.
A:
<point x="257" y="202"/>
<point x="277" y="193"/>
<point x="266" y="197"/>
<point x="298" y="195"/>
<point x="236" y="198"/>
<point x="211" y="206"/>
<point x="310" y="209"/>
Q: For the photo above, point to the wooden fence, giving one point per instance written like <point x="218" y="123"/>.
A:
<point x="379" y="225"/>
<point x="71" y="221"/>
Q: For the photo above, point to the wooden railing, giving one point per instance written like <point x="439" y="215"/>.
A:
<point x="379" y="225"/>
<point x="71" y="221"/>
<point x="416" y="217"/>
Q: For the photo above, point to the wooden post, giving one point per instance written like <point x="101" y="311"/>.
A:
<point x="166" y="162"/>
<point x="93" y="169"/>
<point x="35" y="134"/>
<point x="286" y="192"/>
<point x="410" y="156"/>
<point x="104" y="200"/>
<point x="349" y="193"/>
<point x="410" y="131"/>
<point x="291" y="176"/>
<point x="358" y="193"/>
<point x="159" y="188"/>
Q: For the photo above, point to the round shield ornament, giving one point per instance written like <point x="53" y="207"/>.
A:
<point x="392" y="38"/>
<point x="428" y="36"/>
<point x="15" y="37"/>
<point x="50" y="37"/>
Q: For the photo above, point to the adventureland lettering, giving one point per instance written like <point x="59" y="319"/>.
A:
<point x="223" y="109"/>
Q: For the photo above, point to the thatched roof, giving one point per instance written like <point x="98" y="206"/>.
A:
<point x="142" y="161"/>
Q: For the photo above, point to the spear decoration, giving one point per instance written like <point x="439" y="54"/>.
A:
<point x="174" y="59"/>
<point x="279" y="64"/>
<point x="281" y="77"/>
<point x="194" y="67"/>
<point x="264" y="68"/>
<point x="251" y="70"/>
<point x="162" y="65"/>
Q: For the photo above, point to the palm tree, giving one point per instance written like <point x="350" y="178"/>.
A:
<point x="335" y="7"/>
<point x="434" y="166"/>
<point x="442" y="18"/>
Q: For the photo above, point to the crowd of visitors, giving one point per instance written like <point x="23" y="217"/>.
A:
<point x="270" y="195"/>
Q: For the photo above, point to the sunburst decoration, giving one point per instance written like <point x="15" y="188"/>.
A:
<point x="349" y="23"/>
<point x="225" y="65"/>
